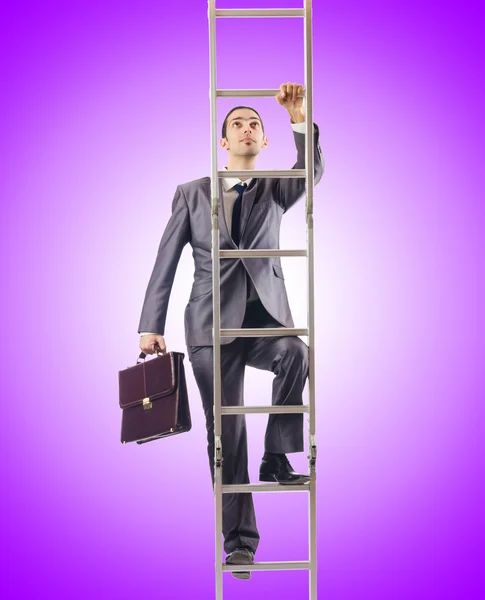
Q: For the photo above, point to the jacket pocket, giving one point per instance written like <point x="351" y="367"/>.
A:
<point x="278" y="271"/>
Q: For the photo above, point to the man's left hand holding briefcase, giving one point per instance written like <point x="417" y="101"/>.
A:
<point x="153" y="397"/>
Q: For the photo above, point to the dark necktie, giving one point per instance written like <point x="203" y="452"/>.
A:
<point x="236" y="213"/>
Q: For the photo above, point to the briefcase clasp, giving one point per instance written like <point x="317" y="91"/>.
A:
<point x="147" y="404"/>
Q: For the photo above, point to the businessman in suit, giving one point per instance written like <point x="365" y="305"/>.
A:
<point x="252" y="293"/>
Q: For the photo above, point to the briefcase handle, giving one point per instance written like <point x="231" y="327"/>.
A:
<point x="142" y="355"/>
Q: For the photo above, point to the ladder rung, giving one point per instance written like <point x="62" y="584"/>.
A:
<point x="293" y="565"/>
<point x="248" y="93"/>
<point x="260" y="253"/>
<point x="283" y="174"/>
<point x="244" y="488"/>
<point x="259" y="12"/>
<point x="275" y="410"/>
<point x="263" y="332"/>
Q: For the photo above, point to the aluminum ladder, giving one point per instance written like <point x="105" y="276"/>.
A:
<point x="217" y="254"/>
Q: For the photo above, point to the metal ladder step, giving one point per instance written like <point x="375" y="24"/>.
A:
<point x="236" y="93"/>
<point x="260" y="253"/>
<point x="282" y="174"/>
<point x="295" y="565"/>
<point x="264" y="410"/>
<point x="244" y="488"/>
<point x="263" y="332"/>
<point x="259" y="12"/>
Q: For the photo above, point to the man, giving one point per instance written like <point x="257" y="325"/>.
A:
<point x="253" y="294"/>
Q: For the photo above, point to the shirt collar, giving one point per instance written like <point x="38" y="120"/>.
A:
<point x="230" y="182"/>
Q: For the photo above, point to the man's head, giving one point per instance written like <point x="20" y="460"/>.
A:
<point x="243" y="132"/>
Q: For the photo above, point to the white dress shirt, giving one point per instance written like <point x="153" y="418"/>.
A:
<point x="229" y="198"/>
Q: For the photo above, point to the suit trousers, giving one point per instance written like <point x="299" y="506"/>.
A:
<point x="287" y="358"/>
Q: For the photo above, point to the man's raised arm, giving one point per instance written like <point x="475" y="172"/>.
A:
<point x="290" y="190"/>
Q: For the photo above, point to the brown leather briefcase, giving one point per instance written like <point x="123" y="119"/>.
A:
<point x="153" y="398"/>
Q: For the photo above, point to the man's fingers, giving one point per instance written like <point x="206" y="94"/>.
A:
<point x="151" y="345"/>
<point x="158" y="347"/>
<point x="291" y="91"/>
<point x="291" y="95"/>
<point x="297" y="91"/>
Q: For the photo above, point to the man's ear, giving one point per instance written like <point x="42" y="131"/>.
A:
<point x="224" y="143"/>
<point x="265" y="143"/>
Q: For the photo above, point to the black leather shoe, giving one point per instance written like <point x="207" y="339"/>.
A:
<point x="240" y="556"/>
<point x="276" y="467"/>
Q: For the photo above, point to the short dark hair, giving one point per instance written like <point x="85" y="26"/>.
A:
<point x="224" y="125"/>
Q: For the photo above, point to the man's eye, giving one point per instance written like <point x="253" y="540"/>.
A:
<point x="255" y="124"/>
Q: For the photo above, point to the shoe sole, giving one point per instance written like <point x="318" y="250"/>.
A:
<point x="272" y="479"/>
<point x="240" y="558"/>
<point x="244" y="575"/>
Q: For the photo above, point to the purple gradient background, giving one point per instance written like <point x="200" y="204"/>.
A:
<point x="104" y="110"/>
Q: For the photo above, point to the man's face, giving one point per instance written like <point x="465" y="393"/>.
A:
<point x="244" y="133"/>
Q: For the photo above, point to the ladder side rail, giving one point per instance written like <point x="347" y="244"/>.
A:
<point x="216" y="316"/>
<point x="309" y="167"/>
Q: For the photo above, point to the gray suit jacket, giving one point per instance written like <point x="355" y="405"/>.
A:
<point x="264" y="203"/>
